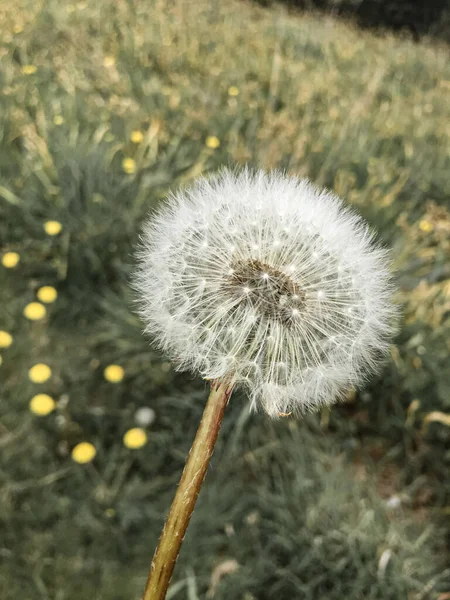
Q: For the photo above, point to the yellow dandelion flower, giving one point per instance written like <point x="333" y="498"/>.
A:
<point x="52" y="227"/>
<point x="10" y="259"/>
<point x="58" y="120"/>
<point x="426" y="225"/>
<point x="212" y="142"/>
<point x="39" y="373"/>
<point x="84" y="453"/>
<point x="29" y="69"/>
<point x="34" y="311"/>
<point x="5" y="339"/>
<point x="17" y="28"/>
<point x="42" y="404"/>
<point x="233" y="91"/>
<point x="129" y="165"/>
<point x="47" y="294"/>
<point x="135" y="438"/>
<point x="109" y="61"/>
<point x="136" y="136"/>
<point x="114" y="373"/>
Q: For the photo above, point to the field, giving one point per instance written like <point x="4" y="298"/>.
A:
<point x="105" y="107"/>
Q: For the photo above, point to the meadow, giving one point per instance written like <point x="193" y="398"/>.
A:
<point x="104" y="108"/>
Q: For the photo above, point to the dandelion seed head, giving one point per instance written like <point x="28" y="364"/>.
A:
<point x="144" y="416"/>
<point x="290" y="297"/>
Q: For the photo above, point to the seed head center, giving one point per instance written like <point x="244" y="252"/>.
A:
<point x="271" y="292"/>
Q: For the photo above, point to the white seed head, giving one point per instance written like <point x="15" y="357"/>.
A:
<point x="144" y="416"/>
<point x="288" y="296"/>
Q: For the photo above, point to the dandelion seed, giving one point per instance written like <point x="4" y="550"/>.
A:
<point x="40" y="373"/>
<point x="42" y="404"/>
<point x="35" y="311"/>
<point x="6" y="339"/>
<point x="327" y="314"/>
<point x="212" y="142"/>
<point x="29" y="69"/>
<point x="84" y="453"/>
<point x="10" y="260"/>
<point x="135" y="438"/>
<point x="114" y="373"/>
<point x="129" y="166"/>
<point x="136" y="136"/>
<point x="47" y="294"/>
<point x="52" y="227"/>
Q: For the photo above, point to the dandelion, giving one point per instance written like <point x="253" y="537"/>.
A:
<point x="58" y="120"/>
<point x="109" y="61"/>
<point x="5" y="339"/>
<point x="129" y="166"/>
<point x="269" y="283"/>
<point x="136" y="136"/>
<point x="47" y="294"/>
<point x="42" y="404"/>
<point x="114" y="373"/>
<point x="233" y="91"/>
<point x="34" y="311"/>
<point x="135" y="438"/>
<point x="10" y="260"/>
<point x="426" y="226"/>
<point x="39" y="373"/>
<point x="212" y="142"/>
<point x="260" y="281"/>
<point x="29" y="69"/>
<point x="84" y="453"/>
<point x="144" y="416"/>
<point x="52" y="227"/>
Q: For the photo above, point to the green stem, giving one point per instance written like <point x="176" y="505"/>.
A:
<point x="183" y="504"/>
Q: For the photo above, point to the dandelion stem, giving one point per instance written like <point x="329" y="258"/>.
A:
<point x="183" y="504"/>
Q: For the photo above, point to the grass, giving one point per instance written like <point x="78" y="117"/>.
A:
<point x="345" y="504"/>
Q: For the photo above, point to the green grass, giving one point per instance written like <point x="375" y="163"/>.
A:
<point x="298" y="509"/>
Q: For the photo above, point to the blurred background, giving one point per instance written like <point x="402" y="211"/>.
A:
<point x="104" y="107"/>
